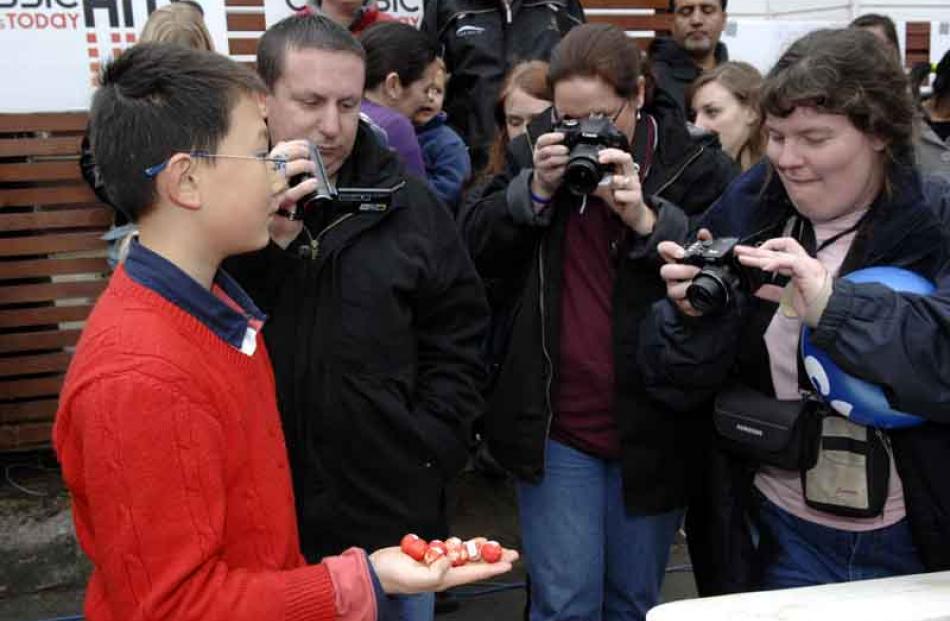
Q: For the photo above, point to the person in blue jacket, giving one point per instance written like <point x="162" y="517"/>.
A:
<point x="838" y="192"/>
<point x="445" y="154"/>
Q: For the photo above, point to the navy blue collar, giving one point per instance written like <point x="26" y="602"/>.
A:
<point x="237" y="323"/>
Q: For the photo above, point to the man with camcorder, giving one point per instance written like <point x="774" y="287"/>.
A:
<point x="376" y="312"/>
<point x="569" y="231"/>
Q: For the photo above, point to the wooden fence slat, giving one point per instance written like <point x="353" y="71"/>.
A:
<point x="43" y="409"/>
<point x="52" y="267"/>
<point x="76" y="193"/>
<point x="42" y="244"/>
<point x="41" y="171"/>
<point x="47" y="292"/>
<point x="23" y="437"/>
<point x="58" y="145"/>
<point x="244" y="22"/>
<point x="243" y="46"/>
<point x="634" y="22"/>
<point x="31" y="388"/>
<point x="38" y="363"/>
<point x="32" y="341"/>
<point x="45" y="315"/>
<point x="626" y="4"/>
<point x="918" y="41"/>
<point x="918" y="28"/>
<point x="52" y="122"/>
<point x="57" y="219"/>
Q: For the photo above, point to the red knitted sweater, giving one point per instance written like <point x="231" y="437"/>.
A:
<point x="171" y="445"/>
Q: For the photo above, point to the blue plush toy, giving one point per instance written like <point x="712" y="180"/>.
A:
<point x="862" y="402"/>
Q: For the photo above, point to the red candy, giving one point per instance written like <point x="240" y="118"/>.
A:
<point x="414" y="546"/>
<point x="458" y="552"/>
<point x="435" y="551"/>
<point x="491" y="552"/>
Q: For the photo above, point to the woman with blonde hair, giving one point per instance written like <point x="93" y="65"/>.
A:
<point x="181" y="23"/>
<point x="725" y="100"/>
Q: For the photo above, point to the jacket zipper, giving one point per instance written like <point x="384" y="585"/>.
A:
<point x="315" y="242"/>
<point x="679" y="172"/>
<point x="556" y="8"/>
<point x="547" y="357"/>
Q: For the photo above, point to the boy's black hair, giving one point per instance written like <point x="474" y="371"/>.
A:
<point x="396" y="47"/>
<point x="156" y="100"/>
<point x="722" y="4"/>
<point x="314" y="31"/>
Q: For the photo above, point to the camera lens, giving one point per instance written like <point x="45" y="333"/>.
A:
<point x="710" y="291"/>
<point x="583" y="171"/>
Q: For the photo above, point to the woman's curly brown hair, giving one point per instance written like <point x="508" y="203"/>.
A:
<point x="846" y="72"/>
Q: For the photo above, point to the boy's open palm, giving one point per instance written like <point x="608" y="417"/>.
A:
<point x="400" y="574"/>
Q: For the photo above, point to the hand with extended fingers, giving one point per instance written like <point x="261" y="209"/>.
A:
<point x="623" y="193"/>
<point x="811" y="282"/>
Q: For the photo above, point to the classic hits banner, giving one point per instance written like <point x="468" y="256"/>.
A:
<point x="51" y="50"/>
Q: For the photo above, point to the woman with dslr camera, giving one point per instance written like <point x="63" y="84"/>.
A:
<point x="838" y="192"/>
<point x="601" y="472"/>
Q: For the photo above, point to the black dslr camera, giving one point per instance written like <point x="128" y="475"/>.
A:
<point x="714" y="287"/>
<point x="585" y="139"/>
<point x="344" y="200"/>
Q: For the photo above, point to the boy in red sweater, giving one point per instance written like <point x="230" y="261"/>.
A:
<point x="168" y="430"/>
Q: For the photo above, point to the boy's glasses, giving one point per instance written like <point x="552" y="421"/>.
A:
<point x="279" y="163"/>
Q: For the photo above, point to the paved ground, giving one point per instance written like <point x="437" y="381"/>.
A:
<point x="40" y="582"/>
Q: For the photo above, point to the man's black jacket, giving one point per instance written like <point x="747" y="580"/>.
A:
<point x="875" y="334"/>
<point x="375" y="347"/>
<point x="524" y="258"/>
<point x="674" y="69"/>
<point x="481" y="41"/>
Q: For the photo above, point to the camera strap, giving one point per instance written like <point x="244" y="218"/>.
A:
<point x="805" y="234"/>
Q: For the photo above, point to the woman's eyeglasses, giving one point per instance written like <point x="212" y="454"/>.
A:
<point x="557" y="118"/>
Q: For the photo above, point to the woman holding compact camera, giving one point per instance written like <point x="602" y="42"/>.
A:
<point x="601" y="471"/>
<point x="835" y="501"/>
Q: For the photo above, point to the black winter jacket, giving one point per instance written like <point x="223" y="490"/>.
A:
<point x="481" y="41"/>
<point x="674" y="69"/>
<point x="525" y="254"/>
<point x="685" y="361"/>
<point x="375" y="346"/>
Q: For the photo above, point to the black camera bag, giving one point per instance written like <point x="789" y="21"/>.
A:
<point x="784" y="434"/>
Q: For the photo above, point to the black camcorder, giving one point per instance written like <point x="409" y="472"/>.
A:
<point x="585" y="139"/>
<point x="344" y="200"/>
<point x="714" y="288"/>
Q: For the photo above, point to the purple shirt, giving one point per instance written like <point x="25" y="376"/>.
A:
<point x="401" y="135"/>
<point x="583" y="416"/>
